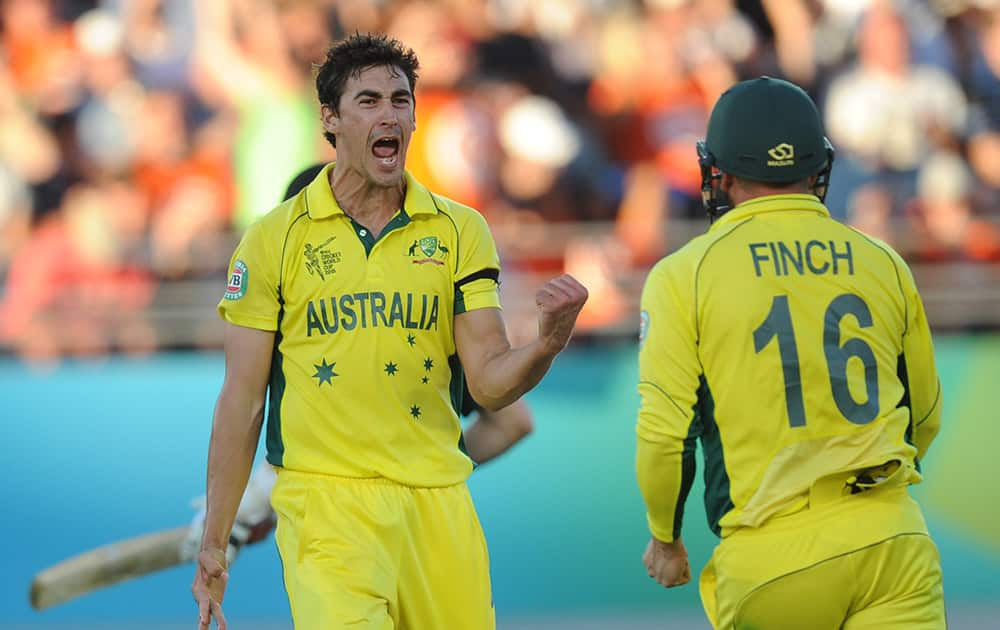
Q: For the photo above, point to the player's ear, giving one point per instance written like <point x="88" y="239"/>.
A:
<point x="330" y="119"/>
<point x="726" y="182"/>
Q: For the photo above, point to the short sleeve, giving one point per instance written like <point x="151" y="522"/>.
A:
<point x="251" y="295"/>
<point x="478" y="273"/>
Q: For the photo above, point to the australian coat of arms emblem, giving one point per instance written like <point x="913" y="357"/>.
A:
<point x="431" y="249"/>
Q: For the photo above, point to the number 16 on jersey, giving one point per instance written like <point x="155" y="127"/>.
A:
<point x="778" y="324"/>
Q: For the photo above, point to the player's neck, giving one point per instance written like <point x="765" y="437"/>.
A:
<point x="370" y="205"/>
<point x="741" y="193"/>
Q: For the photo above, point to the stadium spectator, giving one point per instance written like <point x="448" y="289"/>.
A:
<point x="204" y="107"/>
<point x="886" y="114"/>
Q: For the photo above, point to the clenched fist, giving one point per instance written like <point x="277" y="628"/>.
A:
<point x="667" y="563"/>
<point x="559" y="302"/>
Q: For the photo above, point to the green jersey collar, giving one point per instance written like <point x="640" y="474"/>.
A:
<point x="321" y="203"/>
<point x="799" y="202"/>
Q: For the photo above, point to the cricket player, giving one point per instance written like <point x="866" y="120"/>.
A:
<point x="489" y="435"/>
<point x="797" y="351"/>
<point x="354" y="309"/>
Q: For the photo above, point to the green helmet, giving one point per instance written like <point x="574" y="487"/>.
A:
<point x="766" y="130"/>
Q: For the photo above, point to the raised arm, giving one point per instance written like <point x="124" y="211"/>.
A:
<point x="499" y="374"/>
<point x="236" y="426"/>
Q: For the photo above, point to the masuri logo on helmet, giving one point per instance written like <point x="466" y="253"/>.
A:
<point x="782" y="155"/>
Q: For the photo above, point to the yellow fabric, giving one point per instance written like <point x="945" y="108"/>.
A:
<point x="861" y="562"/>
<point x="776" y="339"/>
<point x="365" y="368"/>
<point x="371" y="554"/>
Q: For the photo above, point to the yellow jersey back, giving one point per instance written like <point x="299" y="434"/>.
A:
<point x="795" y="348"/>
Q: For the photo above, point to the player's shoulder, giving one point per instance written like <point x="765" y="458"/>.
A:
<point x="880" y="244"/>
<point x="277" y="220"/>
<point x="467" y="220"/>
<point x="899" y="264"/>
<point x="458" y="210"/>
<point x="424" y="204"/>
<point x="687" y="258"/>
<point x="876" y="244"/>
<point x="270" y="229"/>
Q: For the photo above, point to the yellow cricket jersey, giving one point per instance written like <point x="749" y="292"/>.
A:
<point x="365" y="379"/>
<point x="794" y="348"/>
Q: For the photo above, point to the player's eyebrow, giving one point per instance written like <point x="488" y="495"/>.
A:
<point x="369" y="93"/>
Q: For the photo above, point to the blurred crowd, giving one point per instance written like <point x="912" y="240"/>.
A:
<point x="138" y="138"/>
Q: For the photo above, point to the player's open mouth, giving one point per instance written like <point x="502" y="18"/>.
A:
<point x="386" y="149"/>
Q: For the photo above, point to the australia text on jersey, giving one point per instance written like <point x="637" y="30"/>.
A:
<point x="347" y="312"/>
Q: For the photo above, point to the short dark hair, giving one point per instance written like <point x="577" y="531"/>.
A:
<point x="358" y="52"/>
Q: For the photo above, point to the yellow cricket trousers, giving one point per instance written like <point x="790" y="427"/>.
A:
<point x="371" y="554"/>
<point x="861" y="562"/>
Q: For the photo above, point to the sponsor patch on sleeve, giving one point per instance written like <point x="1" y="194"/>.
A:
<point x="643" y="326"/>
<point x="238" y="279"/>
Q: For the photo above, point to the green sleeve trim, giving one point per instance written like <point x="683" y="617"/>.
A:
<point x="934" y="405"/>
<point x="688" y="469"/>
<point x="718" y="501"/>
<point x="276" y="393"/>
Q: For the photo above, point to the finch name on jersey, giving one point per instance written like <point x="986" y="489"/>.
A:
<point x="371" y="309"/>
<point x="815" y="257"/>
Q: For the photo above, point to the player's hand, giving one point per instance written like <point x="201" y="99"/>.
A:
<point x="667" y="563"/>
<point x="209" y="587"/>
<point x="559" y="302"/>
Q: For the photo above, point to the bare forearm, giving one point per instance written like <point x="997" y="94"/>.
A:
<point x="498" y="374"/>
<point x="493" y="433"/>
<point x="235" y="432"/>
<point x="509" y="375"/>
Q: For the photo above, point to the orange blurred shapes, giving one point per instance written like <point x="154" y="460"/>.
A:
<point x="453" y="148"/>
<point x="678" y="162"/>
<point x="641" y="221"/>
<point x="982" y="241"/>
<point x="39" y="50"/>
<point x="596" y="263"/>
